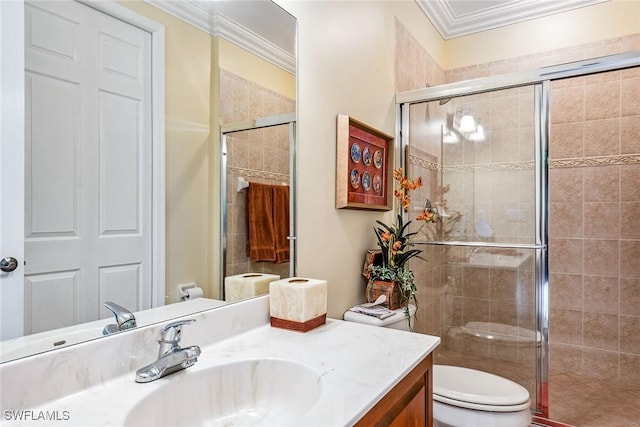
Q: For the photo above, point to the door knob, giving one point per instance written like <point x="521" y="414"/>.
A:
<point x="8" y="264"/>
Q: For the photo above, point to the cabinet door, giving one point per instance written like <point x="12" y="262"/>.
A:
<point x="414" y="414"/>
<point x="409" y="403"/>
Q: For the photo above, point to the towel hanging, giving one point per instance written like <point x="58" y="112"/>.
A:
<point x="268" y="223"/>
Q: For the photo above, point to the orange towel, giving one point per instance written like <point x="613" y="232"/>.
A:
<point x="261" y="237"/>
<point x="281" y="222"/>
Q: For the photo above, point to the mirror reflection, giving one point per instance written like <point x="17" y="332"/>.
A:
<point x="259" y="234"/>
<point x="211" y="81"/>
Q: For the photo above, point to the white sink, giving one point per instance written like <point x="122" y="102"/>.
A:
<point x="248" y="392"/>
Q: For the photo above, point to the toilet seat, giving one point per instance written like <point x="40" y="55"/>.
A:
<point x="472" y="389"/>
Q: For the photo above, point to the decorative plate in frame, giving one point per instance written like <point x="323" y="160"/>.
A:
<point x="364" y="166"/>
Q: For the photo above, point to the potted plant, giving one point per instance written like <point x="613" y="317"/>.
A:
<point x="391" y="275"/>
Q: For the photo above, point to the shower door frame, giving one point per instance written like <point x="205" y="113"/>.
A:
<point x="287" y="119"/>
<point x="541" y="80"/>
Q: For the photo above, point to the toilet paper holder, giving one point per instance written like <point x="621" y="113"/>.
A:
<point x="183" y="288"/>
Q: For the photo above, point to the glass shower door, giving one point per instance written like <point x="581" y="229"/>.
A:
<point x="483" y="162"/>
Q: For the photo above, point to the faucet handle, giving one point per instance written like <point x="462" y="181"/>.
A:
<point x="172" y="332"/>
<point x="124" y="318"/>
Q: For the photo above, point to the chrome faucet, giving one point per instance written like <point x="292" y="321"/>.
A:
<point x="171" y="357"/>
<point x="124" y="319"/>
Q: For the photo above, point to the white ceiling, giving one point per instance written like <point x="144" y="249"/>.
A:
<point x="454" y="18"/>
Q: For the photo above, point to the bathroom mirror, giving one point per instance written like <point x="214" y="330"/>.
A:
<point x="251" y="29"/>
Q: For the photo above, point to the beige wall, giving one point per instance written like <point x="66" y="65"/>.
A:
<point x="615" y="18"/>
<point x="187" y="109"/>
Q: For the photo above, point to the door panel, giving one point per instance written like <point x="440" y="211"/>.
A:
<point x="51" y="299"/>
<point x="88" y="166"/>
<point x="119" y="165"/>
<point x="51" y="157"/>
<point x="117" y="283"/>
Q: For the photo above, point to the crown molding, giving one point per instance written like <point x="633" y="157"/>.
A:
<point x="252" y="42"/>
<point x="219" y="25"/>
<point x="450" y="25"/>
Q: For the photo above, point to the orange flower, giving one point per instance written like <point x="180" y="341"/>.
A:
<point x="426" y="216"/>
<point x="406" y="202"/>
<point x="417" y="183"/>
<point x="393" y="241"/>
<point x="423" y="216"/>
<point x="406" y="185"/>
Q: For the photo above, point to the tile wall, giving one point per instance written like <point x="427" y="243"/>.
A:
<point x="595" y="226"/>
<point x="260" y="155"/>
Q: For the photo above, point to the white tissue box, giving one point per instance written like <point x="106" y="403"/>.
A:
<point x="247" y="285"/>
<point x="298" y="304"/>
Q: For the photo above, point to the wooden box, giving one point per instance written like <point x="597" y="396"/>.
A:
<point x="389" y="289"/>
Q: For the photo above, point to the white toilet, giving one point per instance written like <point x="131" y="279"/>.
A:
<point x="465" y="397"/>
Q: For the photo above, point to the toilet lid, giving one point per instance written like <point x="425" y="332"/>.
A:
<point x="469" y="388"/>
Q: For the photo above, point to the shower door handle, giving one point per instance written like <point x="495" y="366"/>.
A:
<point x="8" y="264"/>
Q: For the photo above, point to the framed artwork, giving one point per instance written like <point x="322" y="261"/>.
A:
<point x="364" y="166"/>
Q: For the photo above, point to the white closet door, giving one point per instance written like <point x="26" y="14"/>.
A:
<point x="88" y="165"/>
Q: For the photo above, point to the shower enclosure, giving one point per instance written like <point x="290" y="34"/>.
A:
<point x="482" y="148"/>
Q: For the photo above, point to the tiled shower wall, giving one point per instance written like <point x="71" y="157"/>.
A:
<point x="595" y="226"/>
<point x="260" y="155"/>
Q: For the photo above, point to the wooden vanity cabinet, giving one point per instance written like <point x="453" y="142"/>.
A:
<point x="408" y="404"/>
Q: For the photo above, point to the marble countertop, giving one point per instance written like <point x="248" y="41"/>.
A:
<point x="356" y="365"/>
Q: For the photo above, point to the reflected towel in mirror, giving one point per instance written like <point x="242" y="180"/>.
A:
<point x="281" y="222"/>
<point x="267" y="222"/>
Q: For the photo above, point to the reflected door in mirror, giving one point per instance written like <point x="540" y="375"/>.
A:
<point x="88" y="165"/>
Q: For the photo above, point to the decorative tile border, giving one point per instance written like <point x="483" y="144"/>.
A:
<point x="252" y="173"/>
<point x="625" y="159"/>
<point x="424" y="163"/>
<point x="490" y="167"/>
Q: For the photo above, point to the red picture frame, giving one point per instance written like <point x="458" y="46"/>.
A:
<point x="364" y="166"/>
